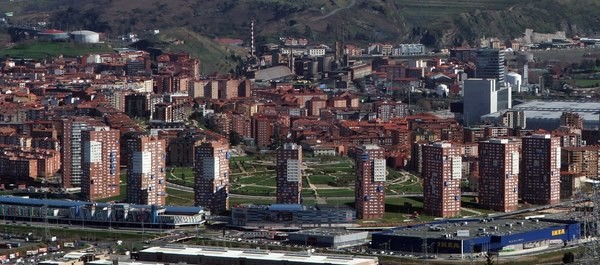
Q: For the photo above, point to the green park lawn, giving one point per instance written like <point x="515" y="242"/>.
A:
<point x="41" y="50"/>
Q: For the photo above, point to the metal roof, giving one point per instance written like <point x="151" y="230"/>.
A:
<point x="286" y="207"/>
<point x="182" y="210"/>
<point x="174" y="210"/>
<point x="273" y="73"/>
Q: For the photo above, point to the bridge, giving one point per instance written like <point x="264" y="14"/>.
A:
<point x="22" y="31"/>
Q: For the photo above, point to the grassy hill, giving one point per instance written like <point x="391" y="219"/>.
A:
<point x="432" y="22"/>
<point x="213" y="56"/>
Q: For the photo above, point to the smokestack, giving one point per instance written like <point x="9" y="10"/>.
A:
<point x="252" y="38"/>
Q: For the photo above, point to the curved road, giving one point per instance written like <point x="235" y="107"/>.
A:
<point x="188" y="189"/>
<point x="333" y="12"/>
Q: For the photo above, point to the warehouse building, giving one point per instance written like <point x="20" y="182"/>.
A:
<point x="211" y="256"/>
<point x="546" y="114"/>
<point x="290" y="216"/>
<point x="477" y="236"/>
<point x="329" y="238"/>
<point x="99" y="214"/>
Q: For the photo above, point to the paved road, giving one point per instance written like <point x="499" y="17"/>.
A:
<point x="333" y="12"/>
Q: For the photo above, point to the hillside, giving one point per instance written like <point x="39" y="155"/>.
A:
<point x="432" y="22"/>
<point x="213" y="57"/>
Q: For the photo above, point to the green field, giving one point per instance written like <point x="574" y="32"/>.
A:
<point x="42" y="50"/>
<point x="332" y="177"/>
<point x="76" y="232"/>
<point x="179" y="198"/>
<point x="181" y="175"/>
<point x="586" y="83"/>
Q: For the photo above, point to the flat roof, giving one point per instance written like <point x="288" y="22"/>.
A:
<point x="552" y="110"/>
<point x="75" y="255"/>
<point x="110" y="262"/>
<point x="327" y="232"/>
<point x="476" y="228"/>
<point x="370" y="147"/>
<point x="258" y="254"/>
<point x="25" y="201"/>
<point x="273" y="73"/>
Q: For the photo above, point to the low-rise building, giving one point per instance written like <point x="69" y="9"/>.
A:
<point x="215" y="255"/>
<point x="329" y="238"/>
<point x="291" y="216"/>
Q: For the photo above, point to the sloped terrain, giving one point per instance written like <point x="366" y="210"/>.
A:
<point x="433" y="22"/>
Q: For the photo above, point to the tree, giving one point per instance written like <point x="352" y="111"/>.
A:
<point x="308" y="33"/>
<point x="568" y="257"/>
<point x="359" y="84"/>
<point x="234" y="138"/>
<point x="489" y="259"/>
<point x="424" y="103"/>
<point x="212" y="125"/>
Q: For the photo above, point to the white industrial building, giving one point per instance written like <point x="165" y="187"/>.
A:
<point x="546" y="114"/>
<point x="213" y="255"/>
<point x="85" y="36"/>
<point x="331" y="238"/>
<point x="483" y="96"/>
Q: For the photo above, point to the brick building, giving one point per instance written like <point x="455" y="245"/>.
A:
<point x="540" y="174"/>
<point x="100" y="163"/>
<point x="369" y="190"/>
<point x="289" y="174"/>
<point x="211" y="167"/>
<point x="442" y="171"/>
<point x="499" y="175"/>
<point x="146" y="176"/>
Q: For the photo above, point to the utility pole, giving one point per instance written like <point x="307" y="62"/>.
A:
<point x="45" y="212"/>
<point x="424" y="250"/>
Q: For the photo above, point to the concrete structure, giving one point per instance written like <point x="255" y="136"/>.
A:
<point x="369" y="186"/>
<point x="85" y="36"/>
<point x="211" y="168"/>
<point x="408" y="50"/>
<point x="100" y="163"/>
<point x="291" y="216"/>
<point x="215" y="255"/>
<point x="442" y="171"/>
<point x="513" y="119"/>
<point x="515" y="81"/>
<point x="329" y="238"/>
<point x="499" y="175"/>
<point x="490" y="65"/>
<point x="540" y="175"/>
<point x="146" y="176"/>
<point x="546" y="114"/>
<point x="289" y="174"/>
<point x="482" y="97"/>
<point x="52" y="35"/>
<point x="99" y="214"/>
<point x="472" y="236"/>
